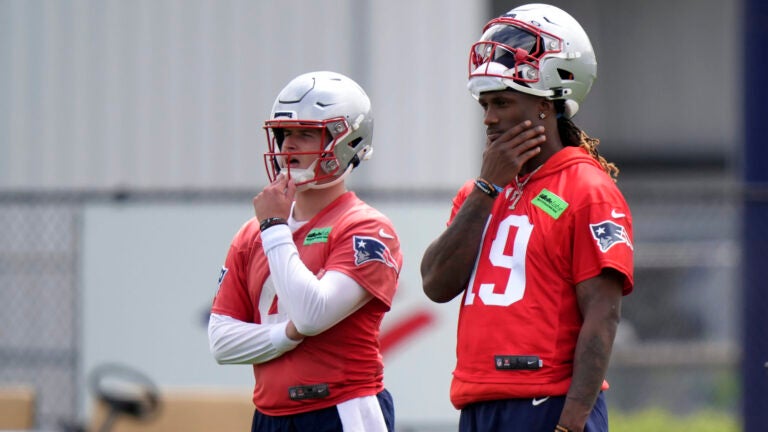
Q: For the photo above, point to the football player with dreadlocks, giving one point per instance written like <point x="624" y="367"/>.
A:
<point x="540" y="243"/>
<point x="307" y="281"/>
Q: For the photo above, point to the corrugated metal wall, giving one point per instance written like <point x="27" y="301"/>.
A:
<point x="173" y="93"/>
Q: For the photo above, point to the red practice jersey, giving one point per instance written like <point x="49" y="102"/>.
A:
<point x="570" y="223"/>
<point x="350" y="237"/>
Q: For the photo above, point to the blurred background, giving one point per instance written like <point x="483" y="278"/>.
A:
<point x="131" y="144"/>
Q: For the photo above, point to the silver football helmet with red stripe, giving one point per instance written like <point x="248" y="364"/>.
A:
<point x="536" y="49"/>
<point x="337" y="106"/>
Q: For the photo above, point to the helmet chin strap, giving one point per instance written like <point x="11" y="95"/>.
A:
<point x="300" y="175"/>
<point x="337" y="180"/>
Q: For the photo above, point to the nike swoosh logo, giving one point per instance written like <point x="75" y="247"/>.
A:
<point x="617" y="215"/>
<point x="384" y="234"/>
<point x="537" y="402"/>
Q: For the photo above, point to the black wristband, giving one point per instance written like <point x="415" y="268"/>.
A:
<point x="272" y="221"/>
<point x="487" y="187"/>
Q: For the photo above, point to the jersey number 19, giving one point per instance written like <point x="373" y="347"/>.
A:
<point x="514" y="263"/>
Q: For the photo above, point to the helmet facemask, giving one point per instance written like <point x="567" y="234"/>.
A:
<point x="321" y="172"/>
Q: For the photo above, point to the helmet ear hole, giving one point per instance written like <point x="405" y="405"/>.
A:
<point x="355" y="161"/>
<point x="354" y="142"/>
<point x="565" y="75"/>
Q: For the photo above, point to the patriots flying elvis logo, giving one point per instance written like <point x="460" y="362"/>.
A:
<point x="371" y="249"/>
<point x="609" y="233"/>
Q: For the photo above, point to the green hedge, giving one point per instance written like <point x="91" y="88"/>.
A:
<point x="657" y="420"/>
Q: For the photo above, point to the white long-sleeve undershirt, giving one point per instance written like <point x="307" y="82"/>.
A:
<point x="314" y="305"/>
<point x="237" y="342"/>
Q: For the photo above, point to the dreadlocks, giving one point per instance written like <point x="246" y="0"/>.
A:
<point x="572" y="136"/>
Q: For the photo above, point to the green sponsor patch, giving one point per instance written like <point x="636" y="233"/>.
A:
<point x="552" y="204"/>
<point x="317" y="235"/>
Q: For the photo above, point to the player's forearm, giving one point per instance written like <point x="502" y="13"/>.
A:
<point x="236" y="342"/>
<point x="591" y="358"/>
<point x="448" y="262"/>
<point x="590" y="366"/>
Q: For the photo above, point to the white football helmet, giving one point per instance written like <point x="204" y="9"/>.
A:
<point x="333" y="103"/>
<point x="536" y="49"/>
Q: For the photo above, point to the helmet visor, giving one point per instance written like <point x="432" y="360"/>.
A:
<point x="512" y="37"/>
<point x="515" y="45"/>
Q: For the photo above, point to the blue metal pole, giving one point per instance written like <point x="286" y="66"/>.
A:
<point x="755" y="218"/>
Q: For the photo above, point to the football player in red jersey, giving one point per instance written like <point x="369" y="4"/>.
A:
<point x="306" y="283"/>
<point x="540" y="244"/>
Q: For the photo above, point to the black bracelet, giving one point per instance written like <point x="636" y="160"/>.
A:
<point x="487" y="187"/>
<point x="272" y="221"/>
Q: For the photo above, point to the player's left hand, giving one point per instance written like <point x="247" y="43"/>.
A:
<point x="275" y="199"/>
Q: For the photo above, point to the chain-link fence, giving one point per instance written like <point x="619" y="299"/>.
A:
<point x="39" y="300"/>
<point x="676" y="346"/>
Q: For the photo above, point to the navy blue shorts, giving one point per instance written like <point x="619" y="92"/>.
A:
<point x="526" y="415"/>
<point x="322" y="420"/>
